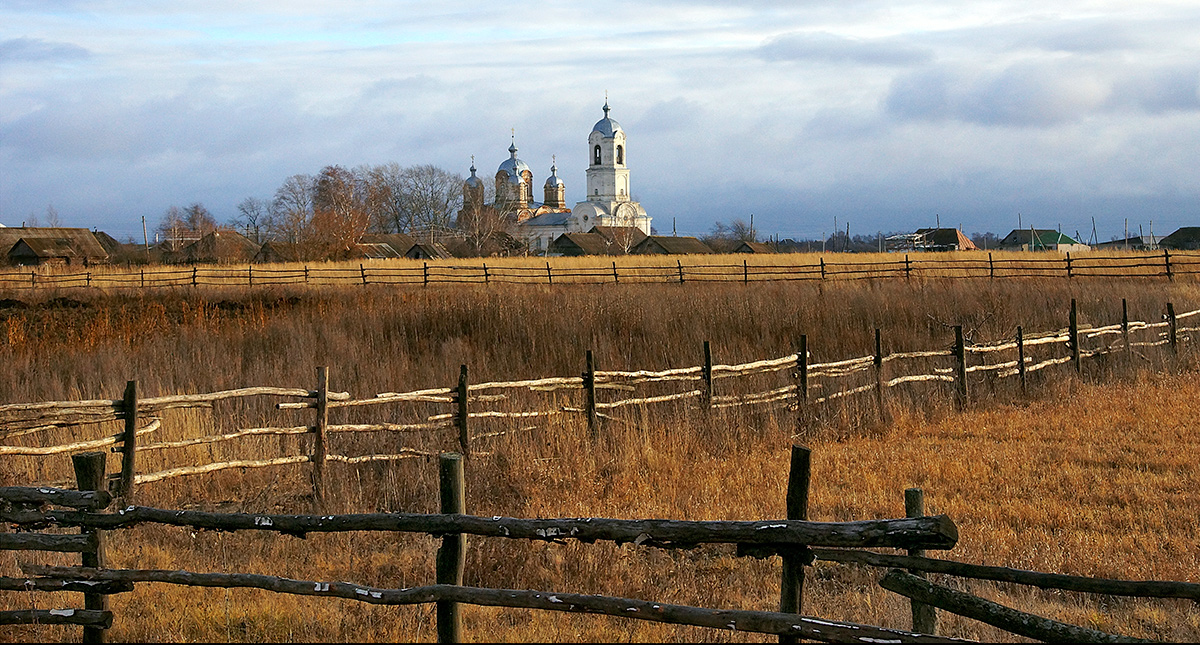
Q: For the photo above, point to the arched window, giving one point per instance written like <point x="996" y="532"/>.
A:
<point x="596" y="156"/>
<point x="620" y="154"/>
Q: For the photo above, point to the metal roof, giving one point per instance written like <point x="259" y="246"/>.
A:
<point x="606" y="126"/>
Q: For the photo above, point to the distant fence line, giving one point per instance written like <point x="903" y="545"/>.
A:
<point x="1149" y="265"/>
<point x="807" y="385"/>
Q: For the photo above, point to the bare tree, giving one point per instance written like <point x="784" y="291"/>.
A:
<point x="253" y="217"/>
<point x="487" y="226"/>
<point x="292" y="210"/>
<point x="340" y="214"/>
<point x="726" y="237"/>
<point x="198" y="220"/>
<point x="52" y="217"/>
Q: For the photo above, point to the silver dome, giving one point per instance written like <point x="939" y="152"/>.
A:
<point x="512" y="165"/>
<point x="606" y="126"/>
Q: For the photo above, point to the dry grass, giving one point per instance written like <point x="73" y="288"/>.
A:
<point x="1094" y="479"/>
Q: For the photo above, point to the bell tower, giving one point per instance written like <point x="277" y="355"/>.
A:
<point x="607" y="173"/>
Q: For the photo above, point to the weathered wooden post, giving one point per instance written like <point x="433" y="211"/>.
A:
<point x="1172" y="327"/>
<point x="679" y="264"/>
<point x="90" y="475"/>
<point x="791" y="588"/>
<point x="306" y="274"/>
<point x="425" y="274"/>
<point x="486" y="277"/>
<point x="991" y="267"/>
<point x="823" y="266"/>
<point x="549" y="275"/>
<point x="362" y="271"/>
<point x="250" y="275"/>
<point x="879" y="399"/>
<point x="320" y="427"/>
<point x="907" y="267"/>
<point x="745" y="272"/>
<point x="960" y="366"/>
<point x="1125" y="328"/>
<point x="706" y="379"/>
<point x="142" y="273"/>
<point x="1167" y="262"/>
<point x="1073" y="338"/>
<point x="1021" y="360"/>
<point x="461" y="416"/>
<point x="924" y="617"/>
<point x="129" y="406"/>
<point x="589" y="392"/>
<point x="451" y="556"/>
<point x="616" y="279"/>
<point x="194" y="281"/>
<point x="1069" y="274"/>
<point x="802" y="371"/>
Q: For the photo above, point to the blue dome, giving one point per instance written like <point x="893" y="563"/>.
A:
<point x="606" y="126"/>
<point x="473" y="181"/>
<point x="512" y="165"/>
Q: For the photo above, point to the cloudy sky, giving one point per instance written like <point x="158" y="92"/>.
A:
<point x="883" y="114"/>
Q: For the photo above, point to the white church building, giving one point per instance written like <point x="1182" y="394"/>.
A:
<point x="607" y="202"/>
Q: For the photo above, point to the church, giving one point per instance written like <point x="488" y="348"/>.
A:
<point x="607" y="202"/>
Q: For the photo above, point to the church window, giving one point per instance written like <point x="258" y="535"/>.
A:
<point x="596" y="156"/>
<point x="620" y="154"/>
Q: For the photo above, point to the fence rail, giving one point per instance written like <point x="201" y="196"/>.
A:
<point x="1166" y="264"/>
<point x="798" y="386"/>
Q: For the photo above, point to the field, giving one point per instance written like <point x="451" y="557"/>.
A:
<point x="1090" y="476"/>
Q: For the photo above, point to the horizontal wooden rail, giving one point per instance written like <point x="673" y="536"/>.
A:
<point x="1110" y="587"/>
<point x="937" y="532"/>
<point x="214" y="467"/>
<point x="78" y="446"/>
<point x="995" y="614"/>
<point x="81" y="543"/>
<point x="52" y="585"/>
<point x="763" y="622"/>
<point x="85" y="617"/>
<point x="28" y="496"/>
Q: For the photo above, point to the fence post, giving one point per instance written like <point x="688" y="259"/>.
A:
<point x="1069" y="264"/>
<point x="89" y="279"/>
<point x="745" y="272"/>
<point x="924" y="617"/>
<point x="425" y="273"/>
<point x="879" y="402"/>
<point x="1172" y="327"/>
<point x="320" y="450"/>
<point x="1073" y="340"/>
<point x="460" y="418"/>
<point x="486" y="278"/>
<point x="706" y="379"/>
<point x="960" y="366"/>
<point x="616" y="280"/>
<point x="362" y="271"/>
<point x="823" y="266"/>
<point x="142" y="273"/>
<point x="89" y="475"/>
<point x="791" y="587"/>
<point x="250" y="276"/>
<point x="306" y="274"/>
<point x="549" y="275"/>
<point x="907" y="268"/>
<point x="1167" y="262"/>
<point x="802" y="370"/>
<point x="32" y="279"/>
<point x="193" y="277"/>
<point x="451" y="556"/>
<point x="589" y="390"/>
<point x="129" y="405"/>
<point x="1021" y="359"/>
<point x="679" y="263"/>
<point x="991" y="267"/>
<point x="1125" y="328"/>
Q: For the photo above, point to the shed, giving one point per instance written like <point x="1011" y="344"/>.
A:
<point x="427" y="251"/>
<point x="373" y="251"/>
<point x="664" y="245"/>
<point x="220" y="246"/>
<point x="1040" y="239"/>
<point x="51" y="245"/>
<point x="753" y="247"/>
<point x="577" y="244"/>
<point x="399" y="242"/>
<point x="942" y="239"/>
<point x="1183" y="239"/>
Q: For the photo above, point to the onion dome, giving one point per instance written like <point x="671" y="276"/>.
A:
<point x="512" y="165"/>
<point x="606" y="126"/>
<point x="553" y="181"/>
<point x="473" y="181"/>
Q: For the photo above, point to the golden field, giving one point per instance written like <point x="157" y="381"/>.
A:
<point x="1090" y="476"/>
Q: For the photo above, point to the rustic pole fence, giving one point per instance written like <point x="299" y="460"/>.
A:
<point x="960" y="367"/>
<point x="129" y="405"/>
<point x="589" y="393"/>
<point x="924" y="617"/>
<point x="461" y="415"/>
<point x="451" y="556"/>
<point x="706" y="379"/>
<point x="791" y="587"/>
<point x="320" y="451"/>
<point x="1073" y="338"/>
<point x="90" y="476"/>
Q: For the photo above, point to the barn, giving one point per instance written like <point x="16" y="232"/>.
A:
<point x="29" y="246"/>
<point x="220" y="247"/>
<point x="577" y="244"/>
<point x="670" y="245"/>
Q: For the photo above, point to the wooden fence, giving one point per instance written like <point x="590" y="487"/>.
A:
<point x="600" y="396"/>
<point x="795" y="539"/>
<point x="1140" y="265"/>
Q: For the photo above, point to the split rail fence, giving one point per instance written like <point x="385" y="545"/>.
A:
<point x="1144" y="265"/>
<point x="797" y="541"/>
<point x="450" y="417"/>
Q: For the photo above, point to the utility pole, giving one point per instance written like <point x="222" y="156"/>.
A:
<point x="145" y="238"/>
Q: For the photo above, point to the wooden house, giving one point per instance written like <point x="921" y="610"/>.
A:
<point x="754" y="248"/>
<point x="29" y="246"/>
<point x="1183" y="239"/>
<point x="670" y="245"/>
<point x="222" y="246"/>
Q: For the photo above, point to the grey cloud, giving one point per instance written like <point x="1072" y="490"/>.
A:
<point x="1159" y="90"/>
<point x="827" y="47"/>
<point x="26" y="50"/>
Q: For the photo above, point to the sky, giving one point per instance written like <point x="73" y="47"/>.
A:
<point x="886" y="116"/>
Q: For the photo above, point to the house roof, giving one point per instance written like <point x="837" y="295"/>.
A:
<point x="1187" y="237"/>
<point x="427" y="250"/>
<point x="753" y="247"/>
<point x="670" y="245"/>
<point x="620" y="234"/>
<point x="277" y="251"/>
<point x="400" y="242"/>
<point x="81" y="240"/>
<point x="375" y="251"/>
<point x="548" y="219"/>
<point x="1038" y="237"/>
<point x="580" y="244"/>
<point x="221" y="246"/>
<point x="945" y="237"/>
